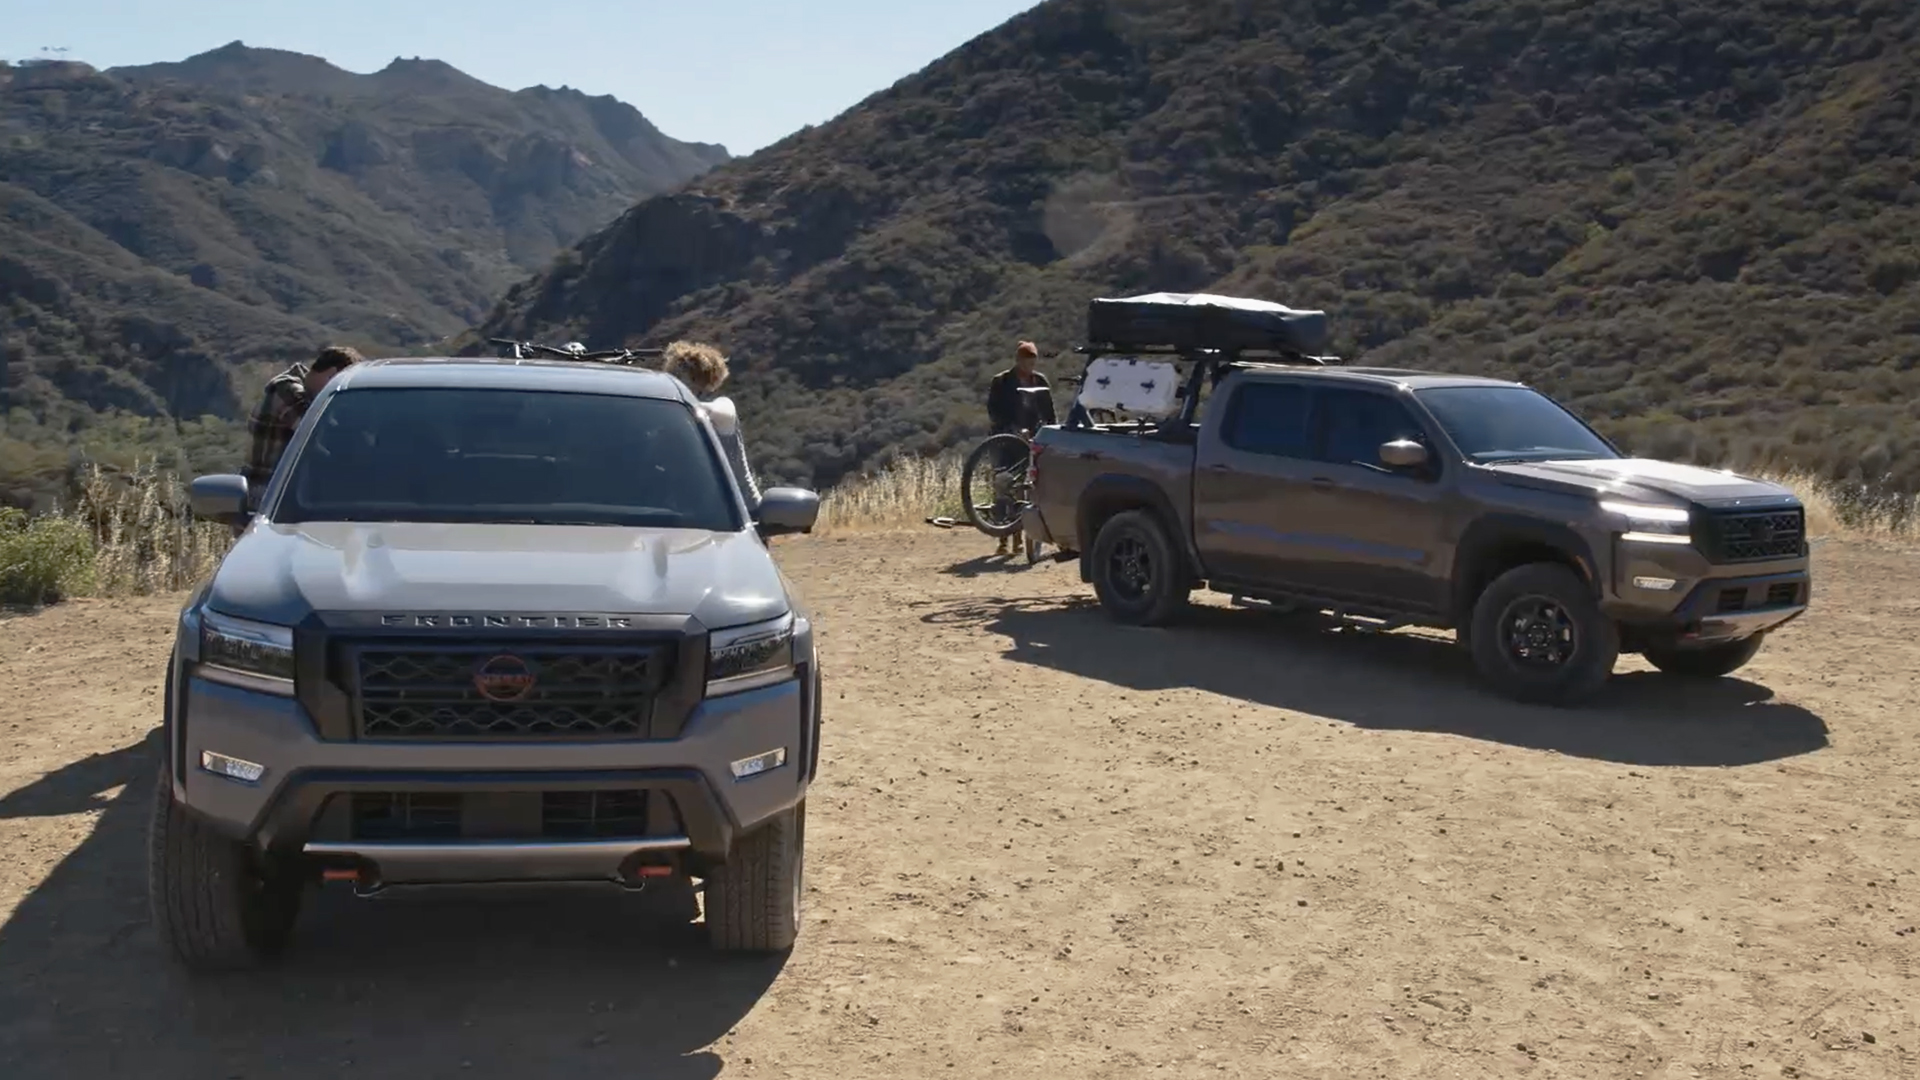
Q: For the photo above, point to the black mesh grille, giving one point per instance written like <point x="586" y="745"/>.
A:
<point x="552" y="815"/>
<point x="599" y="814"/>
<point x="1737" y="536"/>
<point x="1783" y="594"/>
<point x="535" y="692"/>
<point x="405" y="816"/>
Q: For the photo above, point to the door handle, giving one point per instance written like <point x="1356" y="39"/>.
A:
<point x="1218" y="466"/>
<point x="1321" y="483"/>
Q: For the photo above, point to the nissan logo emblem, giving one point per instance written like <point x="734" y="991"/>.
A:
<point x="503" y="678"/>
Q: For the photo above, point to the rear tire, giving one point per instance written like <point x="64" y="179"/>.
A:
<point x="1138" y="575"/>
<point x="1708" y="661"/>
<point x="212" y="907"/>
<point x="753" y="900"/>
<point x="1538" y="636"/>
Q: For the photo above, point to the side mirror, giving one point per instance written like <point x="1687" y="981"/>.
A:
<point x="221" y="497"/>
<point x="1403" y="454"/>
<point x="786" y="510"/>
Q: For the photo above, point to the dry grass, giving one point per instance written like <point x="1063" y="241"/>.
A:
<point x="129" y="534"/>
<point x="903" y="495"/>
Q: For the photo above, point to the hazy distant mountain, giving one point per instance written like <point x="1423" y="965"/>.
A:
<point x="162" y="226"/>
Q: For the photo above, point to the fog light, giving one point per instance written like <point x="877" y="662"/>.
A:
<point x="759" y="763"/>
<point x="1660" y="583"/>
<point x="232" y="768"/>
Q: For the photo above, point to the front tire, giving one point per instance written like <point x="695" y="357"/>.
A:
<point x="753" y="900"/>
<point x="213" y="908"/>
<point x="1138" y="575"/>
<point x="1538" y="636"/>
<point x="1707" y="661"/>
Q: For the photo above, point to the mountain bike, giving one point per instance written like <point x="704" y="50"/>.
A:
<point x="996" y="483"/>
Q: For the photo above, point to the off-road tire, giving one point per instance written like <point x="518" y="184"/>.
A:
<point x="1708" y="661"/>
<point x="1596" y="640"/>
<point x="982" y="462"/>
<point x="1168" y="583"/>
<point x="212" y="907"/>
<point x="753" y="899"/>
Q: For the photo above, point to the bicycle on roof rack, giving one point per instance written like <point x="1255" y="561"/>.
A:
<point x="573" y="350"/>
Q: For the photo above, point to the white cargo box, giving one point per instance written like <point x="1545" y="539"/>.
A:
<point x="1147" y="388"/>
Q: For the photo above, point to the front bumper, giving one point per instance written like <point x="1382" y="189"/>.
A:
<point x="1709" y="609"/>
<point x="699" y="806"/>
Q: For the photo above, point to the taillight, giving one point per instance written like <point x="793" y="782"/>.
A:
<point x="1033" y="464"/>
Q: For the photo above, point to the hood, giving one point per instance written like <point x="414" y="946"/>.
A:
<point x="281" y="573"/>
<point x="1644" y="478"/>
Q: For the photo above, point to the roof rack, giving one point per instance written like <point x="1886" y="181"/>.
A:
<point x="1213" y="332"/>
<point x="573" y="350"/>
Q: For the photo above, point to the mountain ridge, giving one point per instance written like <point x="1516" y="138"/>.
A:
<point x="1691" y="219"/>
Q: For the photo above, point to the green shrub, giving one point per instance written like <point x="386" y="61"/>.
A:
<point x="42" y="559"/>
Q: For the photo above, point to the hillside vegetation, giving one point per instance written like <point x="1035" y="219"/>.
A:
<point x="1696" y="220"/>
<point x="167" y="232"/>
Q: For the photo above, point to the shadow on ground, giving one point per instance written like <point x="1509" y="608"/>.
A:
<point x="991" y="564"/>
<point x="1398" y="681"/>
<point x="475" y="984"/>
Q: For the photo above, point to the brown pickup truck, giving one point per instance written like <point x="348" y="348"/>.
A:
<point x="1406" y="498"/>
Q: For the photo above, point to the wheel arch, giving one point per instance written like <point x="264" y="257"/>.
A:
<point x="1493" y="545"/>
<point x="1110" y="494"/>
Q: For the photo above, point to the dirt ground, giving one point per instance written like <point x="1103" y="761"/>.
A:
<point x="1045" y="846"/>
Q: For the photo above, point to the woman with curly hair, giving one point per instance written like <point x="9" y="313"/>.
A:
<point x="704" y="368"/>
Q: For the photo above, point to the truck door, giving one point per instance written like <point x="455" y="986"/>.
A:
<point x="1381" y="529"/>
<point x="1252" y="474"/>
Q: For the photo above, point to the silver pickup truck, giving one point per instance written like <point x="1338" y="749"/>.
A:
<point x="494" y="621"/>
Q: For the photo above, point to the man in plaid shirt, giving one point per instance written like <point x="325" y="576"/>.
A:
<point x="286" y="399"/>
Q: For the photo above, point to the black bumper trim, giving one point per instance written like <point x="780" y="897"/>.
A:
<point x="288" y="821"/>
<point x="1699" y="603"/>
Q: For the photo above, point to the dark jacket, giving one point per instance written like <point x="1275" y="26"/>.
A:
<point x="1006" y="411"/>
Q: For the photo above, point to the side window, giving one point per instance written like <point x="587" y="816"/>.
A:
<point x="1352" y="424"/>
<point x="1269" y="418"/>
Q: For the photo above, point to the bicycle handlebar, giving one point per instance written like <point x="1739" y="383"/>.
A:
<point x="621" y="356"/>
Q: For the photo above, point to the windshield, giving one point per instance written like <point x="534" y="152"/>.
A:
<point x="508" y="457"/>
<point x="1511" y="423"/>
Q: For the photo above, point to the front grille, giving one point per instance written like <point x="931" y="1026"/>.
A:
<point x="527" y="815"/>
<point x="1744" y="536"/>
<point x="405" y="816"/>
<point x="599" y="814"/>
<point x="1740" y="597"/>
<point x="507" y="692"/>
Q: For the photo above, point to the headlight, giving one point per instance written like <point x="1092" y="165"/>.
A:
<point x="1650" y="524"/>
<point x="249" y="655"/>
<point x="749" y="657"/>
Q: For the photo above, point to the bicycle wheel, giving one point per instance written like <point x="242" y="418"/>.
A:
<point x="993" y="485"/>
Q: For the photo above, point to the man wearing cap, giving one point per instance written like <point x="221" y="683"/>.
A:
<point x="1008" y="410"/>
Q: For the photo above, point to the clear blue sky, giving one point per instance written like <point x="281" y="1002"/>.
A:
<point x="739" y="72"/>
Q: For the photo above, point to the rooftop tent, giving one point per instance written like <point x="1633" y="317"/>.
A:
<point x="1189" y="321"/>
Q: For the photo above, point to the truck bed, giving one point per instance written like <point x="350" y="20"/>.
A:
<point x="1072" y="459"/>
